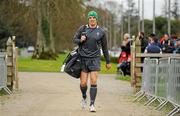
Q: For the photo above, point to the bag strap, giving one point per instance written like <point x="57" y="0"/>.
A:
<point x="84" y="28"/>
<point x="65" y="60"/>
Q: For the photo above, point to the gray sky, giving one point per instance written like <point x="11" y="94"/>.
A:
<point x="148" y="7"/>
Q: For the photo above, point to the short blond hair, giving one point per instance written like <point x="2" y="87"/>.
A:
<point x="126" y="35"/>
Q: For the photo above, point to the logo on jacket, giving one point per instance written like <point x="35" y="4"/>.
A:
<point x="97" y="33"/>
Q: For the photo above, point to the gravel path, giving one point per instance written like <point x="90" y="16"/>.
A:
<point x="57" y="94"/>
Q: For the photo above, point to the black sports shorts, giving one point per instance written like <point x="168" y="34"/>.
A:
<point x="90" y="64"/>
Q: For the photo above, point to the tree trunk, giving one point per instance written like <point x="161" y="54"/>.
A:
<point x="44" y="48"/>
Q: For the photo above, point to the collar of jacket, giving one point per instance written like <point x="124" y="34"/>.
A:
<point x="87" y="26"/>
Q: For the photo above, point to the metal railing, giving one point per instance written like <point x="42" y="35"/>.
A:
<point x="3" y="73"/>
<point x="161" y="82"/>
<point x="173" y="85"/>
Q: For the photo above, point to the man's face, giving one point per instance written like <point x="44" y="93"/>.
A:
<point x="140" y="35"/>
<point x="150" y="39"/>
<point x="92" y="21"/>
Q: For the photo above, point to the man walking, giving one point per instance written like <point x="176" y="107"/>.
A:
<point x="90" y="39"/>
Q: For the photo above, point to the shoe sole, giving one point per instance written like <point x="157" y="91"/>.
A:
<point x="92" y="111"/>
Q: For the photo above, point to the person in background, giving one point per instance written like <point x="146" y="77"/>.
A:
<point x="125" y="46"/>
<point x="174" y="38"/>
<point x="177" y="47"/>
<point x="125" y="58"/>
<point x="153" y="45"/>
<point x="143" y="40"/>
<point x="167" y="44"/>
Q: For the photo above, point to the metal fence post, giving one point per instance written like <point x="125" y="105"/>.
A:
<point x="173" y="88"/>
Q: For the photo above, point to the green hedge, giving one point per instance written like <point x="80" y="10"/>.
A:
<point x="112" y="59"/>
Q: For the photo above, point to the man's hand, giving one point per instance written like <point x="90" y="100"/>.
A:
<point x="108" y="66"/>
<point x="83" y="38"/>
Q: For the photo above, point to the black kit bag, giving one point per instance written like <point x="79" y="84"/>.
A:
<point x="73" y="64"/>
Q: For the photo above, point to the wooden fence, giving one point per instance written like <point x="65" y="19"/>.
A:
<point x="12" y="68"/>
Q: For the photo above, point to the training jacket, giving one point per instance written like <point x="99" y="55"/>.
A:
<point x="153" y="48"/>
<point x="95" y="40"/>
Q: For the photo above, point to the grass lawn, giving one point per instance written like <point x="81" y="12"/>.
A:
<point x="124" y="78"/>
<point x="32" y="65"/>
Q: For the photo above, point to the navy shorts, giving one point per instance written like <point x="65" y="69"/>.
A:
<point x="90" y="64"/>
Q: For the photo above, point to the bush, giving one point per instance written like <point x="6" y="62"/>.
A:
<point x="112" y="59"/>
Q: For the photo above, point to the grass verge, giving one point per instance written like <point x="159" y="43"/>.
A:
<point x="124" y="78"/>
<point x="27" y="64"/>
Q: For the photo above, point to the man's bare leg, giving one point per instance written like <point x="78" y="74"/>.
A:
<point x="83" y="87"/>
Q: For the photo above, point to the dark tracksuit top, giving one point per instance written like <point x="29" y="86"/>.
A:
<point x="95" y="39"/>
<point x="153" y="48"/>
